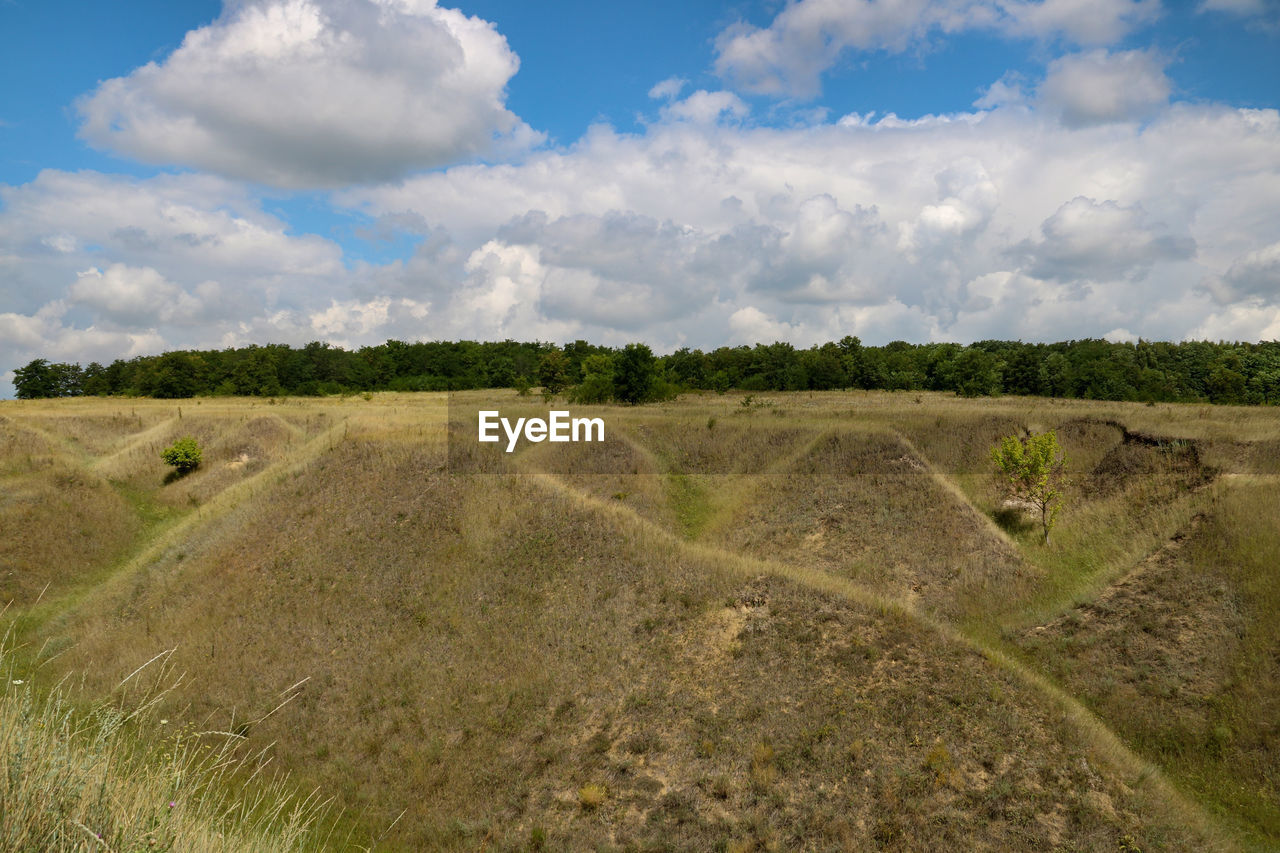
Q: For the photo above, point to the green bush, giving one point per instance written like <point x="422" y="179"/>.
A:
<point x="183" y="454"/>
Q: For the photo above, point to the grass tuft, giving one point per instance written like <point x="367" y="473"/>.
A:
<point x="116" y="777"/>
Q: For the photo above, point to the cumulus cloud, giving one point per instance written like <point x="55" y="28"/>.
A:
<point x="96" y="266"/>
<point x="136" y="296"/>
<point x="316" y="93"/>
<point x="1083" y="22"/>
<point x="1005" y="92"/>
<point x="46" y="334"/>
<point x="1085" y="240"/>
<point x="668" y="89"/>
<point x="351" y="322"/>
<point x="1245" y="322"/>
<point x="707" y="107"/>
<point x="750" y="325"/>
<point x="808" y="37"/>
<point x="1099" y="87"/>
<point x="1256" y="276"/>
<point x="193" y="224"/>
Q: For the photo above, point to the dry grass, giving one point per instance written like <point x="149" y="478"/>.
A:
<point x="58" y="520"/>
<point x="794" y="625"/>
<point x="1180" y="656"/>
<point x="118" y="777"/>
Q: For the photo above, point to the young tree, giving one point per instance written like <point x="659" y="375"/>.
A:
<point x="1034" y="469"/>
<point x="183" y="454"/>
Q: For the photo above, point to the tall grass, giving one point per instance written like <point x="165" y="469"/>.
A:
<point x="114" y="777"/>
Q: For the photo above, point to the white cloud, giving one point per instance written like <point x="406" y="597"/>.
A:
<point x="1085" y="240"/>
<point x="182" y="225"/>
<point x="45" y="334"/>
<point x="316" y="93"/>
<point x="136" y="296"/>
<point x="750" y="325"/>
<point x="668" y="89"/>
<point x="1083" y="22"/>
<point x="1005" y="92"/>
<point x="1255" y="276"/>
<point x="993" y="224"/>
<point x="706" y="107"/>
<point x="1002" y="223"/>
<point x="1234" y="7"/>
<point x="1099" y="87"/>
<point x="808" y="37"/>
<point x="102" y="267"/>
<point x="351" y="323"/>
<point x="1248" y="321"/>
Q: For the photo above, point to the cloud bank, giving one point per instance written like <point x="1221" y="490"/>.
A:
<point x="1087" y="202"/>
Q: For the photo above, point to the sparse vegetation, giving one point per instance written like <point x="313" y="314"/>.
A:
<point x="774" y="633"/>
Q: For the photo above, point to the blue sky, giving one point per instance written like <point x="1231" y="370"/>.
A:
<point x="685" y="173"/>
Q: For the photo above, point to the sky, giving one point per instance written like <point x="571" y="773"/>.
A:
<point x="205" y="175"/>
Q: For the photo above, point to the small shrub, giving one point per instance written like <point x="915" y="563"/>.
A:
<point x="183" y="455"/>
<point x="720" y="787"/>
<point x="763" y="770"/>
<point x="644" y="742"/>
<point x="940" y="763"/>
<point x="591" y="795"/>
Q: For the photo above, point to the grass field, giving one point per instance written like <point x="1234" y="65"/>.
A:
<point x="777" y="622"/>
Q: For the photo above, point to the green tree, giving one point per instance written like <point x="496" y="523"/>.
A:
<point x="1055" y="375"/>
<point x="975" y="373"/>
<point x="597" y="381"/>
<point x="1034" y="469"/>
<point x="183" y="454"/>
<point x="634" y="373"/>
<point x="174" y="375"/>
<point x="37" y="379"/>
<point x="553" y="372"/>
<point x="1226" y="382"/>
<point x="255" y="375"/>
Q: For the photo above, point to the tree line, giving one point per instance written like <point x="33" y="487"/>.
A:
<point x="1192" y="371"/>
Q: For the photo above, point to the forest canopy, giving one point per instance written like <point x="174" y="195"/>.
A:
<point x="1192" y="371"/>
